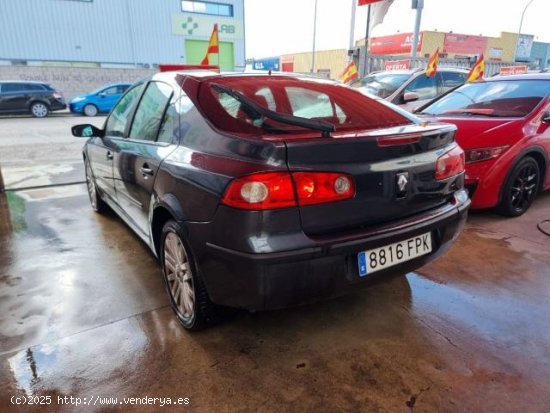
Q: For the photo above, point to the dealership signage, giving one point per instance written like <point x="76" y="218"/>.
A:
<point x="525" y="44"/>
<point x="495" y="53"/>
<point x="397" y="64"/>
<point x="513" y="70"/>
<point x="194" y="26"/>
<point x="395" y="44"/>
<point x="464" y="44"/>
<point x="270" y="63"/>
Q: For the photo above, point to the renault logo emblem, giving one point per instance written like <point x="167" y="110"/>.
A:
<point x="402" y="181"/>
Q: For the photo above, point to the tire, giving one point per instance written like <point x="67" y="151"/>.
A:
<point x="520" y="189"/>
<point x="186" y="291"/>
<point x="90" y="110"/>
<point x="39" y="110"/>
<point x="98" y="204"/>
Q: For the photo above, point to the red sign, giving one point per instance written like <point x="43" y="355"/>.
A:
<point x="397" y="64"/>
<point x="395" y="44"/>
<point x="365" y="2"/>
<point x="513" y="70"/>
<point x="462" y="43"/>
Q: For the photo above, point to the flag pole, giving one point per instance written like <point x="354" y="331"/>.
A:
<point x="366" y="64"/>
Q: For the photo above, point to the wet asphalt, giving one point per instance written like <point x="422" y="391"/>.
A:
<point x="83" y="313"/>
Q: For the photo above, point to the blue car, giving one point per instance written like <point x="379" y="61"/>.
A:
<point x="100" y="101"/>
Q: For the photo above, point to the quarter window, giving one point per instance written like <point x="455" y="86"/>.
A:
<point x="150" y="112"/>
<point x="13" y="87"/>
<point x="116" y="124"/>
<point x="452" y="79"/>
<point x="206" y="7"/>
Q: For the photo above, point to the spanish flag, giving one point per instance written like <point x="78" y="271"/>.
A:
<point x="350" y="73"/>
<point x="477" y="71"/>
<point x="431" y="69"/>
<point x="213" y="46"/>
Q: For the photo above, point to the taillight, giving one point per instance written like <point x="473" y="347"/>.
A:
<point x="483" y="154"/>
<point x="320" y="187"/>
<point x="273" y="190"/>
<point x="268" y="190"/>
<point x="450" y="164"/>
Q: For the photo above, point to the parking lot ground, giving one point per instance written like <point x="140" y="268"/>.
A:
<point x="83" y="313"/>
<point x="38" y="152"/>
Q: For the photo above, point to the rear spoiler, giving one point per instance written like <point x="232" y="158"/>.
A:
<point x="170" y="67"/>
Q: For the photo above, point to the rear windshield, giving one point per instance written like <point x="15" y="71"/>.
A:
<point x="343" y="107"/>
<point x="505" y="98"/>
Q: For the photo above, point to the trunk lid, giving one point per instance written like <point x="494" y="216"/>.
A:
<point x="375" y="159"/>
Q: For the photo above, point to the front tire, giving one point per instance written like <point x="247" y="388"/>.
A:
<point x="39" y="110"/>
<point x="90" y="110"/>
<point x="187" y="293"/>
<point x="520" y="189"/>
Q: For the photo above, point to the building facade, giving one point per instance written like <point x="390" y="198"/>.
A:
<point x="120" y="33"/>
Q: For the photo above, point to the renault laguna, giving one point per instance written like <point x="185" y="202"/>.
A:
<point x="268" y="191"/>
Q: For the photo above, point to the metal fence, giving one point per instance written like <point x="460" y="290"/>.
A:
<point x="378" y="63"/>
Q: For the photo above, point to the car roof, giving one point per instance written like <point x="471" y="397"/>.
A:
<point x="525" y="76"/>
<point x="421" y="70"/>
<point x="24" y="81"/>
<point x="208" y="74"/>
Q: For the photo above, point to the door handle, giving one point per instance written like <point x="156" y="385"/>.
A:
<point x="146" y="171"/>
<point x="109" y="155"/>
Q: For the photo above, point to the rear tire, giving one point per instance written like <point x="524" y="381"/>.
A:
<point x="520" y="189"/>
<point x="39" y="110"/>
<point x="186" y="291"/>
<point x="98" y="204"/>
<point x="90" y="110"/>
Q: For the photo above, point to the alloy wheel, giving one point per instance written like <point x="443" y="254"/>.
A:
<point x="179" y="275"/>
<point x="524" y="187"/>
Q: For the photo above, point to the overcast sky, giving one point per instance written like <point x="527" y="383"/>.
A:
<point x="275" y="27"/>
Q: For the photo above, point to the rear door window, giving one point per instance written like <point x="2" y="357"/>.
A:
<point x="425" y="87"/>
<point x="118" y="119"/>
<point x="151" y="111"/>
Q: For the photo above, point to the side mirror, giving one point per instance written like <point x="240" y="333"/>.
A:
<point x="410" y="97"/>
<point x="86" y="131"/>
<point x="546" y="117"/>
<point x="102" y="94"/>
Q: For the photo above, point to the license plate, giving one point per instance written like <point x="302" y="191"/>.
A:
<point x="380" y="258"/>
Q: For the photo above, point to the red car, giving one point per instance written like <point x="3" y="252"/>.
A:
<point x="504" y="128"/>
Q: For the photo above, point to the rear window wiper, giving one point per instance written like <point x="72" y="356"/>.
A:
<point x="257" y="111"/>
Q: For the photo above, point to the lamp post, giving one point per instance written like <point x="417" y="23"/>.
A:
<point x="314" y="33"/>
<point x="520" y="27"/>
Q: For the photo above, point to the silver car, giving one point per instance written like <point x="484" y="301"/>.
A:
<point x="411" y="88"/>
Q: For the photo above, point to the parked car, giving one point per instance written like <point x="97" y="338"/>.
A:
<point x="504" y="127"/>
<point x="411" y="88"/>
<point x="99" y="101"/>
<point x="36" y="98"/>
<point x="248" y="205"/>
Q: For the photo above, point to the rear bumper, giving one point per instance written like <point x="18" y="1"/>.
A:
<point x="323" y="267"/>
<point x="75" y="107"/>
<point x="57" y="105"/>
